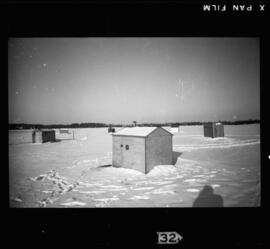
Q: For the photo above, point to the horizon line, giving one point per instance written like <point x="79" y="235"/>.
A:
<point x="108" y="123"/>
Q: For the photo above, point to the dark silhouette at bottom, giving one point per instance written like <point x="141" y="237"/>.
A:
<point x="207" y="198"/>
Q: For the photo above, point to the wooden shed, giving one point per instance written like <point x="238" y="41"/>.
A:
<point x="43" y="136"/>
<point x="213" y="130"/>
<point x="64" y="131"/>
<point x="142" y="148"/>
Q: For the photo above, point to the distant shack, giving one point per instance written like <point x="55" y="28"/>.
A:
<point x="43" y="136"/>
<point x="64" y="131"/>
<point x="213" y="130"/>
<point x="111" y="129"/>
<point x="142" y="148"/>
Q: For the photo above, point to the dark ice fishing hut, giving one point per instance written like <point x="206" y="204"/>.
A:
<point x="213" y="130"/>
<point x="43" y="136"/>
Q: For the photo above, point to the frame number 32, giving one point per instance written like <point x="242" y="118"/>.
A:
<point x="169" y="237"/>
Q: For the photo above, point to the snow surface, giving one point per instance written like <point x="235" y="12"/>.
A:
<point x="78" y="173"/>
<point x="135" y="131"/>
<point x="174" y="130"/>
<point x="162" y="170"/>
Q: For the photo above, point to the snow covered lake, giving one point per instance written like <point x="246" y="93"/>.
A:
<point x="78" y="173"/>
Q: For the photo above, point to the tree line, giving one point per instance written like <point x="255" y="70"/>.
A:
<point x="100" y="125"/>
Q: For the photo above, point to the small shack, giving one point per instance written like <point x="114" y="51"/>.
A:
<point x="142" y="148"/>
<point x="213" y="130"/>
<point x="43" y="136"/>
<point x="64" y="131"/>
<point x="111" y="129"/>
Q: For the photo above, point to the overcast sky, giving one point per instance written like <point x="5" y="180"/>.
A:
<point x="118" y="80"/>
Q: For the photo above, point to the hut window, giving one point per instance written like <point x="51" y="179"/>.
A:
<point x="121" y="145"/>
<point x="127" y="147"/>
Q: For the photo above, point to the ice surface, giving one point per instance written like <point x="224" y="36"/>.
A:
<point x="192" y="190"/>
<point x="215" y="185"/>
<point x="162" y="170"/>
<point x="139" y="197"/>
<point x="49" y="174"/>
<point x="190" y="180"/>
<point x="16" y="199"/>
<point x="162" y="191"/>
<point x="143" y="188"/>
<point x="74" y="203"/>
<point x="174" y="130"/>
<point x="107" y="199"/>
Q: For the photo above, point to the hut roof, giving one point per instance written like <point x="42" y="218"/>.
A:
<point x="138" y="131"/>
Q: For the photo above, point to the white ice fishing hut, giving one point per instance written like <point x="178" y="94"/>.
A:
<point x="142" y="148"/>
<point x="213" y="130"/>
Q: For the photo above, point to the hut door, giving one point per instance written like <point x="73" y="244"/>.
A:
<point x="125" y="159"/>
<point x="33" y="137"/>
<point x="216" y="132"/>
<point x="121" y="155"/>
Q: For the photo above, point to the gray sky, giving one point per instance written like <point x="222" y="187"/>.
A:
<point x="118" y="80"/>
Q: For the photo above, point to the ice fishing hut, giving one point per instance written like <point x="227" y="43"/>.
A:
<point x="43" y="136"/>
<point x="213" y="130"/>
<point x="111" y="129"/>
<point x="142" y="148"/>
<point x="64" y="131"/>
